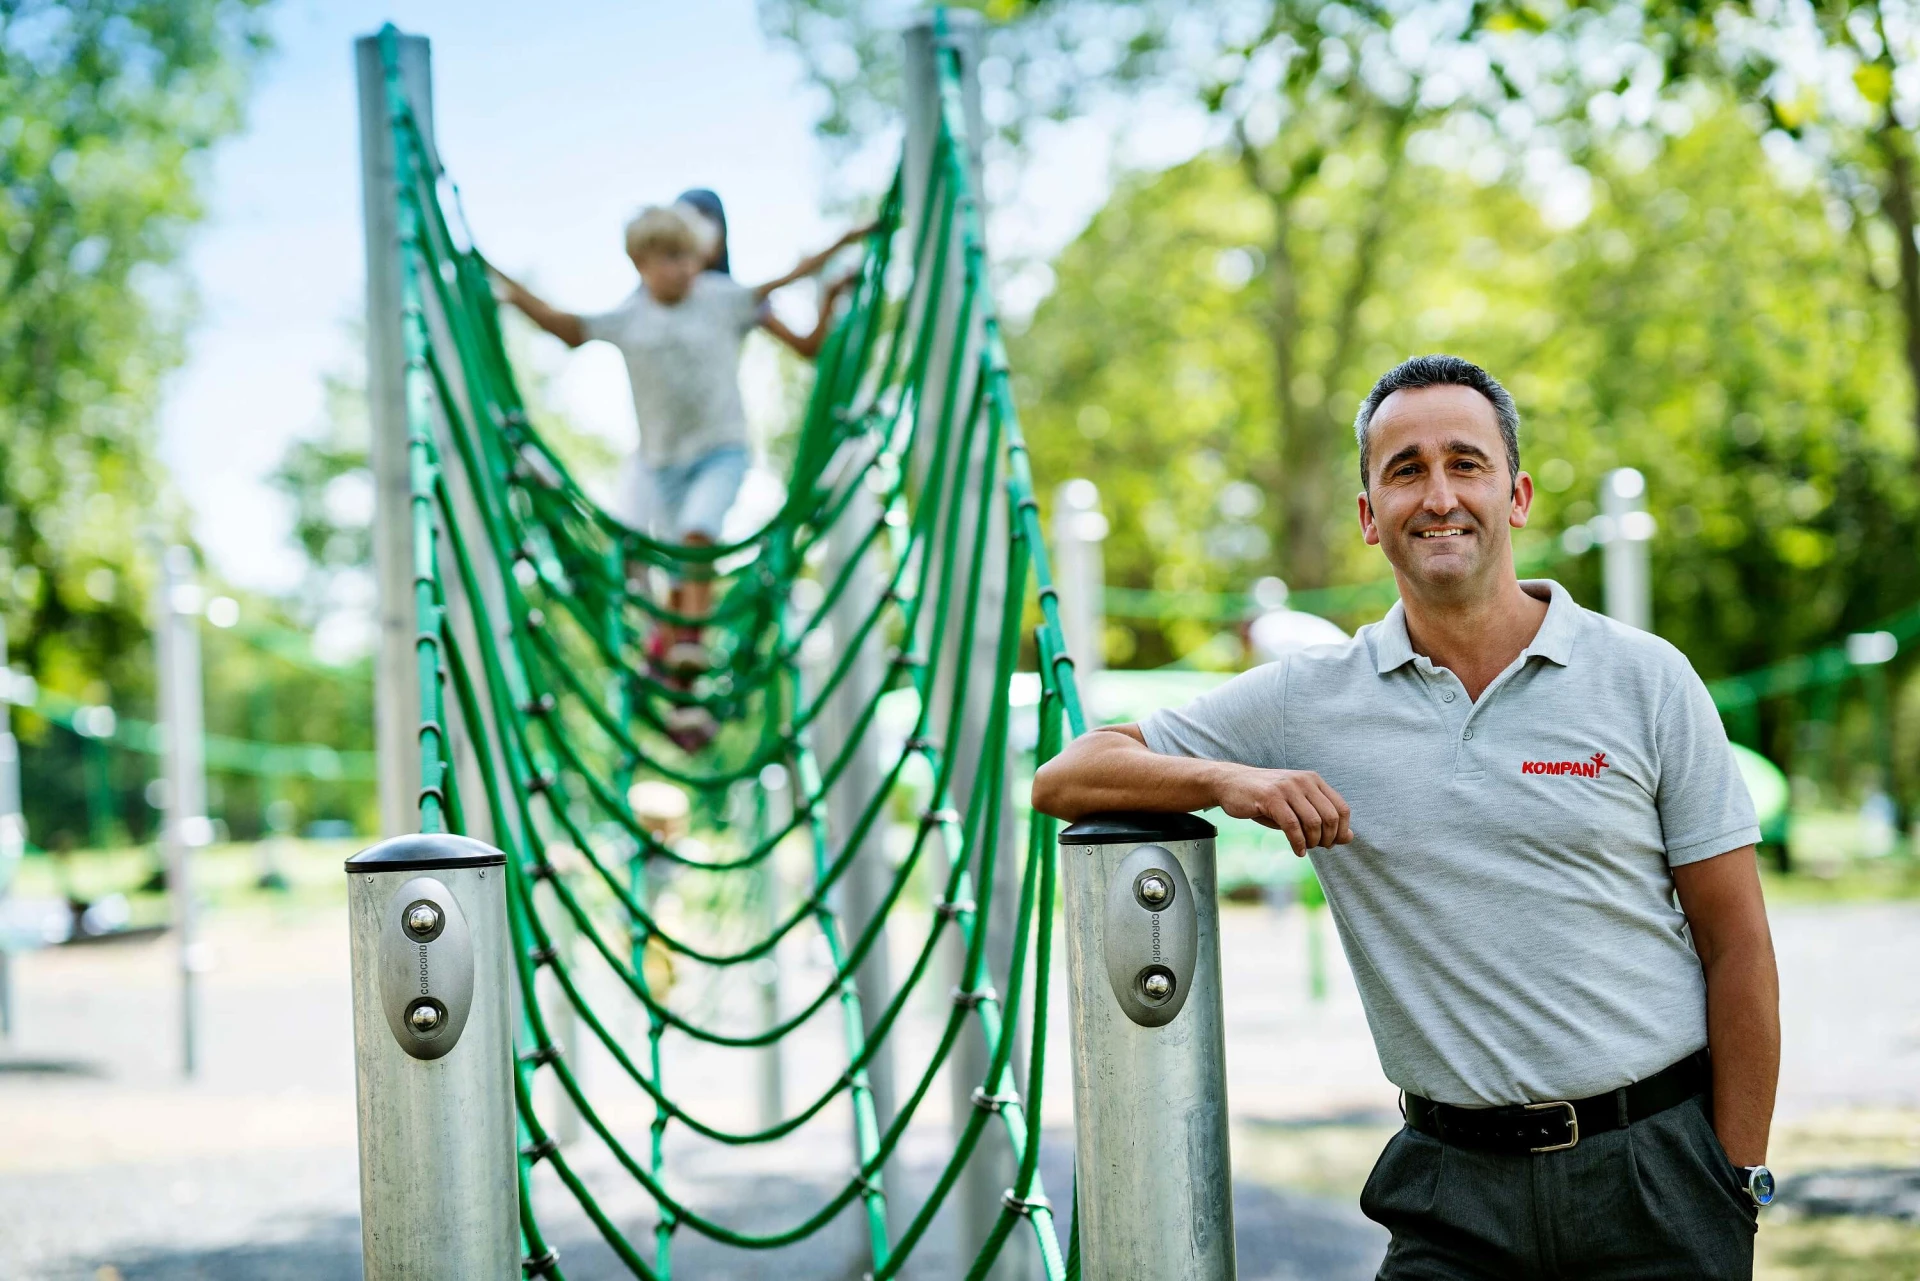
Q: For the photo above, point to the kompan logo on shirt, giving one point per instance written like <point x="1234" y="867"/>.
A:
<point x="1589" y="768"/>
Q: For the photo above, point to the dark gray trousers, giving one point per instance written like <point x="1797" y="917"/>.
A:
<point x="1656" y="1200"/>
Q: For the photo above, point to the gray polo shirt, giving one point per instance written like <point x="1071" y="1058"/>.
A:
<point x="1506" y="904"/>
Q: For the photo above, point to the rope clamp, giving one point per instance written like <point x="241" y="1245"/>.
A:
<point x="548" y="1053"/>
<point x="992" y="1102"/>
<point x="1025" y="1205"/>
<point x="544" y="955"/>
<point x="953" y="908"/>
<point x="541" y="782"/>
<point x="934" y="818"/>
<point x="540" y="706"/>
<point x="546" y="1147"/>
<point x="973" y="1000"/>
<point x="543" y="871"/>
<point x="541" y="1265"/>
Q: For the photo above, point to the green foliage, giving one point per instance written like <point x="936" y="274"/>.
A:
<point x="1705" y="323"/>
<point x="104" y="108"/>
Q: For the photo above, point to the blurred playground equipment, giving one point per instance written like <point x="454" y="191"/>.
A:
<point x="517" y="705"/>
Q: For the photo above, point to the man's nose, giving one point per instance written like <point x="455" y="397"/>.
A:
<point x="1439" y="497"/>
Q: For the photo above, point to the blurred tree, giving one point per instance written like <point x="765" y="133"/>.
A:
<point x="1700" y="322"/>
<point x="1838" y="85"/>
<point x="1288" y="84"/>
<point x="104" y="107"/>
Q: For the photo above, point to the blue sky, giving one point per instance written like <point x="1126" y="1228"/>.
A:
<point x="557" y="121"/>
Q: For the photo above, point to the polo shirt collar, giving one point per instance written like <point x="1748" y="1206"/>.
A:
<point x="1393" y="648"/>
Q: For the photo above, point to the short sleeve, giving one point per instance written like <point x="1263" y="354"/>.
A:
<point x="607" y="326"/>
<point x="739" y="307"/>
<point x="1705" y="809"/>
<point x="1240" y="721"/>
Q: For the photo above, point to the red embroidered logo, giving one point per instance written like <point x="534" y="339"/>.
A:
<point x="1589" y="768"/>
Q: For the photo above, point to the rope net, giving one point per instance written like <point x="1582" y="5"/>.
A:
<point x="897" y="573"/>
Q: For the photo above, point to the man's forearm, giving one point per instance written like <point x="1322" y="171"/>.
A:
<point x="1108" y="770"/>
<point x="1743" y="1035"/>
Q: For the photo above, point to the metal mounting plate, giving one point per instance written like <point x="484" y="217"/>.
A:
<point x="433" y="971"/>
<point x="1147" y="946"/>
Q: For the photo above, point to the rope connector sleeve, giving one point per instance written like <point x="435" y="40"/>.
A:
<point x="543" y="955"/>
<point x="543" y="871"/>
<point x="544" y="1148"/>
<point x="972" y="1000"/>
<point x="541" y="706"/>
<point x="953" y="908"/>
<point x="541" y="1265"/>
<point x="548" y="1053"/>
<point x="934" y="818"/>
<point x="540" y="782"/>
<point x="1025" y="1205"/>
<point x="991" y="1102"/>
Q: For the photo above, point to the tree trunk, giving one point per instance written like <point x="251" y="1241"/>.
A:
<point x="1898" y="203"/>
<point x="1299" y="492"/>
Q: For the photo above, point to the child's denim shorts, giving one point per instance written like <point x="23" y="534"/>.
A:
<point x="694" y="497"/>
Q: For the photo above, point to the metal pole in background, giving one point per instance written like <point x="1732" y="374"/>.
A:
<point x="771" y="1080"/>
<point x="433" y="1061"/>
<point x="13" y="823"/>
<point x="396" y="700"/>
<point x="1626" y="528"/>
<point x="864" y="886"/>
<point x="1149" y="1048"/>
<point x="1079" y="572"/>
<point x="993" y="1167"/>
<point x="177" y="638"/>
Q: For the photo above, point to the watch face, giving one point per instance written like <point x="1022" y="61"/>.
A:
<point x="1760" y="1185"/>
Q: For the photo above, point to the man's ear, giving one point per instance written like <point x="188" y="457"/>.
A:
<point x="1368" y="529"/>
<point x="1522" y="501"/>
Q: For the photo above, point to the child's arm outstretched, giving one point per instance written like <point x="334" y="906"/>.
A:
<point x="564" y="325"/>
<point x="808" y="345"/>
<point x="812" y="263"/>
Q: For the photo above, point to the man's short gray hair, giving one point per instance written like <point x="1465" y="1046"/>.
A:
<point x="1441" y="371"/>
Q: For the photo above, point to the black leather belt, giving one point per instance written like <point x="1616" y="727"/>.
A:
<point x="1560" y="1124"/>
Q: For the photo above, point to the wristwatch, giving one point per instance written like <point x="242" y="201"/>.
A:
<point x="1759" y="1182"/>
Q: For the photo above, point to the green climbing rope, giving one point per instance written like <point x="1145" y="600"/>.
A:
<point x="534" y="609"/>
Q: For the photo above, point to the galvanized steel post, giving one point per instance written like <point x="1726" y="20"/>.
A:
<point x="177" y="613"/>
<point x="13" y="824"/>
<point x="1149" y="1048"/>
<point x="433" y="1060"/>
<point x="1626" y="527"/>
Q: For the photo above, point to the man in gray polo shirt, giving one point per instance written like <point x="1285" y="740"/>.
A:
<point x="1588" y="1065"/>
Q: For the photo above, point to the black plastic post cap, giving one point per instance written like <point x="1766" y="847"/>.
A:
<point x="1133" y="826"/>
<point x="424" y="852"/>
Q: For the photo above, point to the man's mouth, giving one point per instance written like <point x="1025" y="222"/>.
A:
<point x="1438" y="533"/>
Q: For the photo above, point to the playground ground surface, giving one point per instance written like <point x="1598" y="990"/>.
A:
<point x="112" y="1168"/>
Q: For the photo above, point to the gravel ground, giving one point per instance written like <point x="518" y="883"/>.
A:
<point x="249" y="1172"/>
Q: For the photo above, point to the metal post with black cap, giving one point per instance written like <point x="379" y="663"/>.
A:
<point x="1155" y="1183"/>
<point x="433" y="1060"/>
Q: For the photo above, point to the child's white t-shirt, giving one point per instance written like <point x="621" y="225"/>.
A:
<point x="684" y="363"/>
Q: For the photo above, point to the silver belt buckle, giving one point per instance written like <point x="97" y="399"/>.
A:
<point x="1573" y="1125"/>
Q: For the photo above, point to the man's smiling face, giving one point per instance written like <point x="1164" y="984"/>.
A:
<point x="1439" y="498"/>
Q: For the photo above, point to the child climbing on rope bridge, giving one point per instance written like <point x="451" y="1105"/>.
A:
<point x="680" y="332"/>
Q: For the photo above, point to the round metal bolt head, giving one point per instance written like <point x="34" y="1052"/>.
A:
<point x="1158" y="987"/>
<point x="1154" y="889"/>
<point x="424" y="918"/>
<point x="424" y="1018"/>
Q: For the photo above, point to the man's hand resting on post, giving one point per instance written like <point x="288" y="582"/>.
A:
<point x="1113" y="769"/>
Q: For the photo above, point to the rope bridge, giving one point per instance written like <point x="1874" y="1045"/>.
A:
<point x="534" y="608"/>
